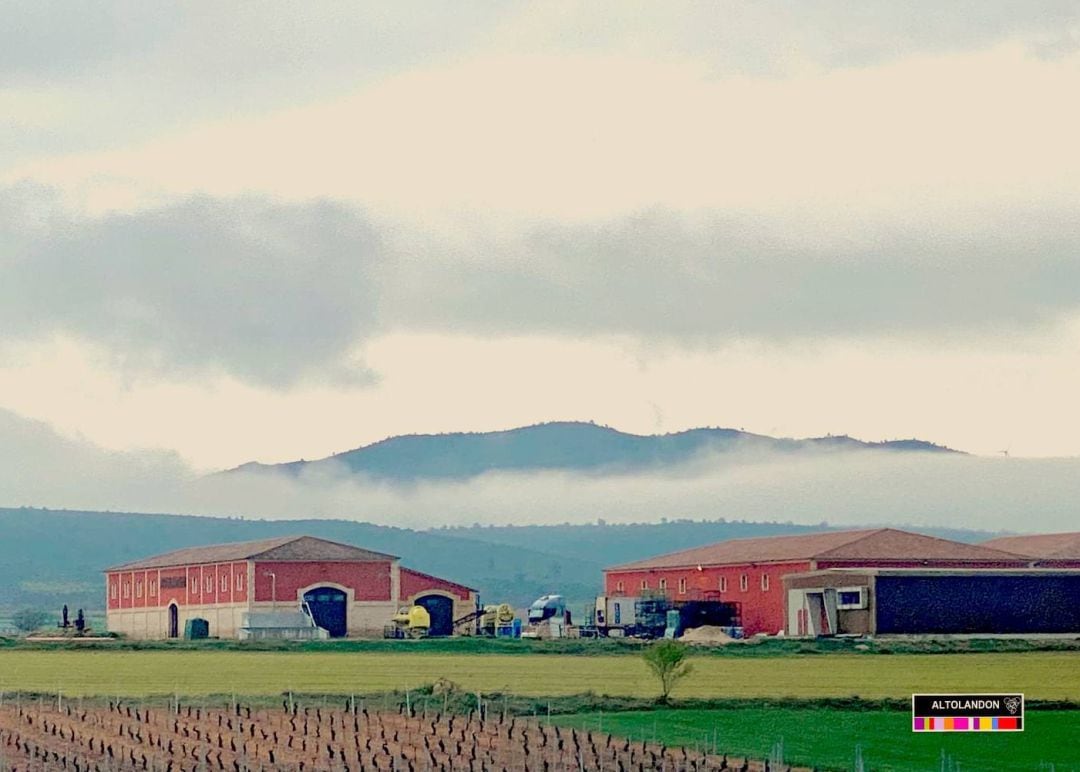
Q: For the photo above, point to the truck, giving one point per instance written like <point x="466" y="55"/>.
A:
<point x="548" y="618"/>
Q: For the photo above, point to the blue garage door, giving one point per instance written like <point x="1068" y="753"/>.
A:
<point x="441" y="610"/>
<point x="327" y="606"/>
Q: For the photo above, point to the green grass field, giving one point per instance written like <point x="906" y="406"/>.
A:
<point x="1040" y="675"/>
<point x="827" y="738"/>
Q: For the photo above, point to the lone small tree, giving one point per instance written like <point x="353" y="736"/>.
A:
<point x="29" y="619"/>
<point x="667" y="661"/>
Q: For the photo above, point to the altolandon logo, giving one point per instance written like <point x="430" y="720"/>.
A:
<point x="954" y="705"/>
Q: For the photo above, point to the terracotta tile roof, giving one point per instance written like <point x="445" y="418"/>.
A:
<point x="865" y="544"/>
<point x="894" y="544"/>
<point x="1040" y="545"/>
<point x="279" y="548"/>
<point x="439" y="579"/>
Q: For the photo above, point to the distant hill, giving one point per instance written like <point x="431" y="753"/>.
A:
<point x="570" y="446"/>
<point x="50" y="557"/>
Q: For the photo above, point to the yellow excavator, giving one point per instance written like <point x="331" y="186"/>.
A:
<point x="409" y="622"/>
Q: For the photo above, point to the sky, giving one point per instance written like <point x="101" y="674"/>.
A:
<point x="275" y="231"/>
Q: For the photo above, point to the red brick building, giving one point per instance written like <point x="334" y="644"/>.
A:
<point x="751" y="571"/>
<point x="1050" y="550"/>
<point x="350" y="591"/>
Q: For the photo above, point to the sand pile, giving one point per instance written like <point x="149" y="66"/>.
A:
<point x="707" y="634"/>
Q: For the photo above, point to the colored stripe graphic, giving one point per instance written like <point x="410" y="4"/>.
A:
<point x="966" y="723"/>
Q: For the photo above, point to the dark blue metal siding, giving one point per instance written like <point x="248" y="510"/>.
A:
<point x="978" y="604"/>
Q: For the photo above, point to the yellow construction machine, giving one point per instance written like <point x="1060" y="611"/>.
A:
<point x="498" y="620"/>
<point x="409" y="622"/>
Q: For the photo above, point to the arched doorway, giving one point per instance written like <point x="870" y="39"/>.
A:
<point x="441" y="610"/>
<point x="174" y="621"/>
<point x="328" y="609"/>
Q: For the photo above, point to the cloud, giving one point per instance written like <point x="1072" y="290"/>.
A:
<point x="53" y="39"/>
<point x="664" y="276"/>
<point x="848" y="489"/>
<point x="121" y="71"/>
<point x="38" y="465"/>
<point x="774" y="36"/>
<point x="514" y="138"/>
<point x="42" y="469"/>
<point x="266" y="292"/>
<point x="277" y="293"/>
<point x="98" y="77"/>
<point x="260" y="45"/>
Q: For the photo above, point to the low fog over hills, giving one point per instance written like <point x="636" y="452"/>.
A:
<point x="565" y="446"/>
<point x="562" y="473"/>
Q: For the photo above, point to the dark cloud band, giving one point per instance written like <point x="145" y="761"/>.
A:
<point x="274" y="293"/>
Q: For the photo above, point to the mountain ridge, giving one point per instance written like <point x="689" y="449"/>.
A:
<point x="575" y="446"/>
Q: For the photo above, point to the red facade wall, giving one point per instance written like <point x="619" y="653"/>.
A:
<point x="368" y="580"/>
<point x="762" y="609"/>
<point x="187" y="585"/>
<point x="414" y="582"/>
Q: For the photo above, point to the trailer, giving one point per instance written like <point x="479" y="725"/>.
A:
<point x="654" y="615"/>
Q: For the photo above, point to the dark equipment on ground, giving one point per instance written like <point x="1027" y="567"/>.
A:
<point x="195" y="629"/>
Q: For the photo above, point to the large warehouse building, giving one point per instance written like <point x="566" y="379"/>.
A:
<point x="349" y="591"/>
<point x="751" y="572"/>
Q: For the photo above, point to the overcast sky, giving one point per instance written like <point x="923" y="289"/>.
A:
<point x="267" y="231"/>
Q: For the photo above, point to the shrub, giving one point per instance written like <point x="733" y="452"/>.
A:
<point x="29" y="619"/>
<point x="667" y="661"/>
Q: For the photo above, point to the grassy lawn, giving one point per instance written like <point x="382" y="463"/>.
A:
<point x="827" y="738"/>
<point x="1040" y="675"/>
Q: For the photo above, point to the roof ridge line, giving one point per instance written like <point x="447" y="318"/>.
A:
<point x="862" y="536"/>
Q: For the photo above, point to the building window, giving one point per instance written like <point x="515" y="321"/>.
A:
<point x="209" y="582"/>
<point x="239" y="581"/>
<point x="764" y="581"/>
<point x="127" y="589"/>
<point x="619" y="586"/>
<point x="682" y="586"/>
<point x="194" y="586"/>
<point x="663" y="585"/>
<point x="138" y="589"/>
<point x="152" y="592"/>
<point x="744" y="583"/>
<point x="851" y="598"/>
<point x="224" y="583"/>
<point x="723" y="584"/>
<point x="112" y="590"/>
<point x="644" y="584"/>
